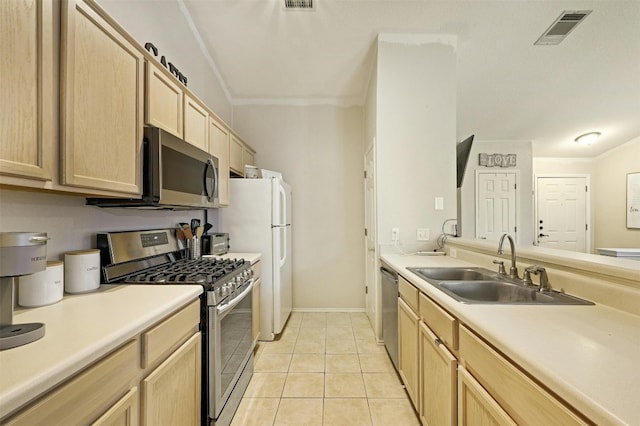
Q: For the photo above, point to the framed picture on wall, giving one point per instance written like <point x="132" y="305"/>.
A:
<point x="633" y="200"/>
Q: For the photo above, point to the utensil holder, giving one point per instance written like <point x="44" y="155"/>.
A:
<point x="194" y="248"/>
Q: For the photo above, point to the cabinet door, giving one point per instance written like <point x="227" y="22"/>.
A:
<point x="255" y="309"/>
<point x="248" y="157"/>
<point x="123" y="413"/>
<point x="219" y="147"/>
<point x="27" y="131"/>
<point x="171" y="393"/>
<point x="408" y="338"/>
<point x="475" y="406"/>
<point x="438" y="399"/>
<point x="196" y="123"/>
<point x="236" y="163"/>
<point x="101" y="102"/>
<point x="163" y="101"/>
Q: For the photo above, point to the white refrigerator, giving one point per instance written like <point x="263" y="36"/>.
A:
<point x="259" y="221"/>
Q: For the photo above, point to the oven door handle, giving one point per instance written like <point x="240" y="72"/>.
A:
<point x="225" y="307"/>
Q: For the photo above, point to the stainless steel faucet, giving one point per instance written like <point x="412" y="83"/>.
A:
<point x="513" y="271"/>
<point x="544" y="279"/>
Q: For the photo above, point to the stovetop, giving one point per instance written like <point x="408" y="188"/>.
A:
<point x="155" y="257"/>
<point x="188" y="271"/>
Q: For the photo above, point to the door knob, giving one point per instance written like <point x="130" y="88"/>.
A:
<point x="543" y="235"/>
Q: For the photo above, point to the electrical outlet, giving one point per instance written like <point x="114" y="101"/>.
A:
<point x="422" y="234"/>
<point x="395" y="234"/>
<point x="439" y="203"/>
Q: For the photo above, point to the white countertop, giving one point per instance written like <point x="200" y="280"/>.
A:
<point x="79" y="330"/>
<point x="249" y="257"/>
<point x="588" y="355"/>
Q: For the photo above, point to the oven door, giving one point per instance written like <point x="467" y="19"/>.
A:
<point x="230" y="345"/>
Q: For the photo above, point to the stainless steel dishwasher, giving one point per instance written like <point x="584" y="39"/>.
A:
<point x="389" y="285"/>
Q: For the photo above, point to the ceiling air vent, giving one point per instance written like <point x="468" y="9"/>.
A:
<point x="562" y="26"/>
<point x="299" y="4"/>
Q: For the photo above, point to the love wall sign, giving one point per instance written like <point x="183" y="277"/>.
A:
<point x="497" y="160"/>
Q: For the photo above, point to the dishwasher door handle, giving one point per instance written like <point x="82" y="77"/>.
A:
<point x="390" y="275"/>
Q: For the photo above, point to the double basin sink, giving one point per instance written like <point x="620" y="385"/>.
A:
<point x="480" y="285"/>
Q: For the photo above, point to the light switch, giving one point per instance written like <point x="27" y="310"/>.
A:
<point x="439" y="203"/>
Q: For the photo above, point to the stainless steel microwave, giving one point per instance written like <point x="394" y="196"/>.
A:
<point x="175" y="175"/>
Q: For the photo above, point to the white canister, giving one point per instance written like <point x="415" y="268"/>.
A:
<point x="42" y="288"/>
<point x="81" y="271"/>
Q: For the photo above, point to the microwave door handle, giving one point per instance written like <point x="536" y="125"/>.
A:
<point x="210" y="194"/>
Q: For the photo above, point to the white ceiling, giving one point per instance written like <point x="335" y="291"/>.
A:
<point x="508" y="89"/>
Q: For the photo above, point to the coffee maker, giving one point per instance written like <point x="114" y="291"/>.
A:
<point x="21" y="253"/>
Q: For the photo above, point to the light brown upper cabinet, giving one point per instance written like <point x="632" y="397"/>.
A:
<point x="102" y="75"/>
<point x="235" y="155"/>
<point x="249" y="156"/>
<point x="219" y="147"/>
<point x="240" y="154"/>
<point x="27" y="114"/>
<point x="163" y="101"/>
<point x="196" y="123"/>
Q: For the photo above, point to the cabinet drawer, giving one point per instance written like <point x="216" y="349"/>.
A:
<point x="523" y="399"/>
<point x="86" y="396"/>
<point x="257" y="270"/>
<point x="444" y="325"/>
<point x="168" y="335"/>
<point x="408" y="293"/>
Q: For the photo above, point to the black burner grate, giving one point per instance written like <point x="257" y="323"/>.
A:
<point x="200" y="271"/>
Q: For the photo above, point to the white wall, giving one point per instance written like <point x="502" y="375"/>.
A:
<point x="609" y="196"/>
<point x="72" y="225"/>
<point x="416" y="136"/>
<point x="524" y="166"/>
<point x="163" y="24"/>
<point x="578" y="166"/>
<point x="319" y="151"/>
<point x="608" y="191"/>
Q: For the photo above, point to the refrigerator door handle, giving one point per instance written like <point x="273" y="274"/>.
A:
<point x="283" y="246"/>
<point x="282" y="207"/>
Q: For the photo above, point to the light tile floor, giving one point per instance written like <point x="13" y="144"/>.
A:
<point x="325" y="369"/>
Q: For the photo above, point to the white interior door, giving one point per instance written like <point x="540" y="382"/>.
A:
<point x="371" y="268"/>
<point x="561" y="217"/>
<point x="496" y="198"/>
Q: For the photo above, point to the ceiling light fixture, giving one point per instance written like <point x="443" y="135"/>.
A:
<point x="588" y="138"/>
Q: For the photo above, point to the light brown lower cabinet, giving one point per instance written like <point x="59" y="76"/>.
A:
<point x="255" y="309"/>
<point x="152" y="379"/>
<point x="454" y="377"/>
<point x="475" y="406"/>
<point x="171" y="393"/>
<point x="520" y="397"/>
<point x="437" y="381"/>
<point x="125" y="412"/>
<point x="88" y="395"/>
<point x="408" y="343"/>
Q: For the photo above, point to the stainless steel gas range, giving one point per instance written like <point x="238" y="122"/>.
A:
<point x="155" y="257"/>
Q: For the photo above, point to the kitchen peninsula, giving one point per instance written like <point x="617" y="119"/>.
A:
<point x="580" y="358"/>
